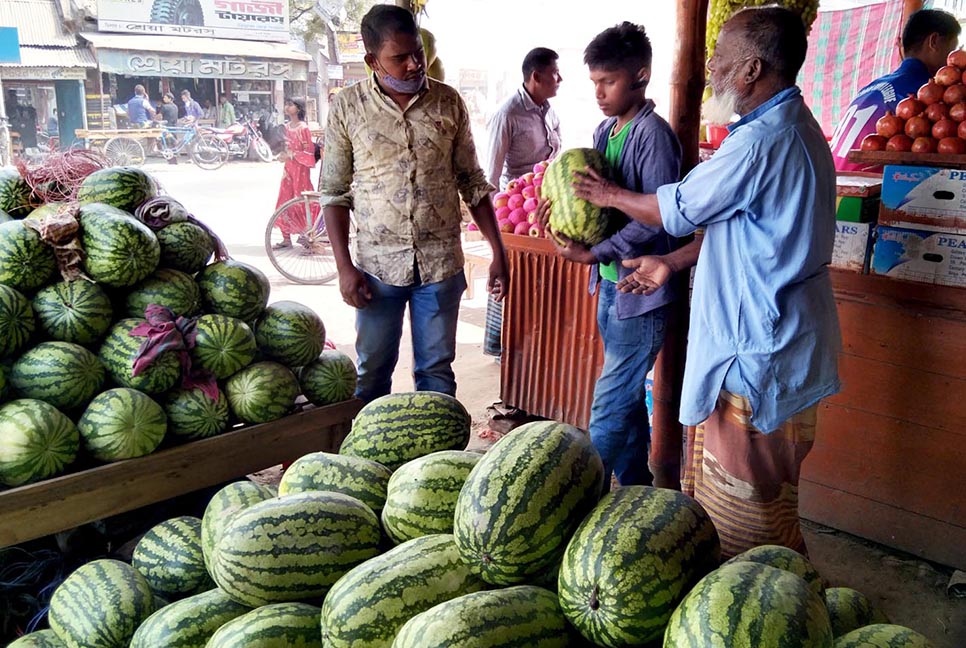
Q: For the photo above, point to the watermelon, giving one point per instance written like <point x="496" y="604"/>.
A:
<point x="524" y="499"/>
<point x="26" y="262"/>
<point x="515" y="617"/>
<point x="126" y="188"/>
<point x="368" y="606"/>
<point x="883" y="635"/>
<point x="188" y="623"/>
<point x="223" y="345"/>
<point x="787" y="559"/>
<point x="280" y="625"/>
<point x="64" y="374"/>
<point x="262" y="392"/>
<point x="235" y="289"/>
<point x="16" y="321"/>
<point x="397" y="428"/>
<point x="170" y="559"/>
<point x="849" y="610"/>
<point x="231" y="499"/>
<point x="574" y="217"/>
<point x="100" y="605"/>
<point x="421" y="495"/>
<point x="185" y="247"/>
<point x="321" y="471"/>
<point x="752" y="605"/>
<point x="49" y="209"/>
<point x="631" y="562"/>
<point x="120" y="424"/>
<point x="192" y="414"/>
<point x="36" y="441"/>
<point x="15" y="193"/>
<point x="39" y="639"/>
<point x="5" y="217"/>
<point x="120" y="350"/>
<point x="119" y="250"/>
<point x="293" y="548"/>
<point x="290" y="333"/>
<point x="330" y="378"/>
<point x="165" y="287"/>
<point x="73" y="311"/>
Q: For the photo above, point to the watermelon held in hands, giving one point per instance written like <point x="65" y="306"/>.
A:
<point x="223" y="345"/>
<point x="126" y="188"/>
<point x="15" y="193"/>
<point x="119" y="250"/>
<point x="329" y="379"/>
<point x="172" y="289"/>
<point x="170" y="559"/>
<point x="64" y="374"/>
<point x="16" y="321"/>
<point x="37" y="441"/>
<point x="74" y="311"/>
<point x="290" y="333"/>
<point x="262" y="392"/>
<point x="235" y="289"/>
<point x="122" y="423"/>
<point x="185" y="247"/>
<point x="26" y="261"/>
<point x="193" y="414"/>
<point x="571" y="216"/>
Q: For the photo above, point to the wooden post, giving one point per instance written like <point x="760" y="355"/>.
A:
<point x="909" y="7"/>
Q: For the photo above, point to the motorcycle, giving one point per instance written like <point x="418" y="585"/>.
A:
<point x="242" y="138"/>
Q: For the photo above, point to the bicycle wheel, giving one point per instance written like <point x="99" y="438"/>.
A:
<point x="309" y="258"/>
<point x="124" y="151"/>
<point x="208" y="152"/>
<point x="262" y="150"/>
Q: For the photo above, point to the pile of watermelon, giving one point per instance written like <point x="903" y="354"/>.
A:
<point x="78" y="383"/>
<point x="407" y="540"/>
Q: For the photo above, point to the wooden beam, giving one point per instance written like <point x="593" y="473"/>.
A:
<point x="909" y="7"/>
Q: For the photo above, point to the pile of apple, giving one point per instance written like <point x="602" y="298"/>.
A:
<point x="516" y="206"/>
<point x="931" y="121"/>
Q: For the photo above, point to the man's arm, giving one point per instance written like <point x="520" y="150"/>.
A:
<point x="652" y="272"/>
<point x="593" y="188"/>
<point x="485" y="219"/>
<point x="499" y="146"/>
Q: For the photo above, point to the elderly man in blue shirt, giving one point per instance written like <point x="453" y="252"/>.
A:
<point x="764" y="334"/>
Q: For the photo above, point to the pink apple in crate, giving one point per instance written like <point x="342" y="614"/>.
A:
<point x="530" y="204"/>
<point x="500" y="200"/>
<point x="518" y="216"/>
<point x="536" y="231"/>
<point x="539" y="168"/>
<point x="523" y="229"/>
<point x="527" y="178"/>
<point x="506" y="226"/>
<point x="537" y="179"/>
<point x="529" y="191"/>
<point x="514" y="188"/>
<point x="516" y="201"/>
<point x="502" y="213"/>
<point x="472" y="227"/>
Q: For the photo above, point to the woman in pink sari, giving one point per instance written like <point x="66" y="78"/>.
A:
<point x="299" y="158"/>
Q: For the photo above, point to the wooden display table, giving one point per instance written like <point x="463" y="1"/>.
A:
<point x="58" y="504"/>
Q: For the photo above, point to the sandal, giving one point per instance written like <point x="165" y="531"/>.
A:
<point x="281" y="245"/>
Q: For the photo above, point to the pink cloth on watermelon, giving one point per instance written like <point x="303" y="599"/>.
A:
<point x="296" y="179"/>
<point x="164" y="331"/>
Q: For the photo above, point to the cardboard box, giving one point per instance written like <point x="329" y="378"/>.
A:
<point x="924" y="198"/>
<point x="918" y="255"/>
<point x="858" y="184"/>
<point x="856" y="210"/>
<point x="853" y="246"/>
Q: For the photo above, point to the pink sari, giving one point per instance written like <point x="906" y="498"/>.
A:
<point x="296" y="179"/>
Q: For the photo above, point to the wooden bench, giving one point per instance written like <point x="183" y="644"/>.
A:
<point x="476" y="254"/>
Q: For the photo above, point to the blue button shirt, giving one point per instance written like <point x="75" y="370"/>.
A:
<point x="762" y="294"/>
<point x="137" y="109"/>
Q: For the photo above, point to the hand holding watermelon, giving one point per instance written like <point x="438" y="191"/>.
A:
<point x="592" y="187"/>
<point x="571" y="250"/>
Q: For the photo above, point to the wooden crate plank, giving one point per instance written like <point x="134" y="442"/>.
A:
<point x="940" y="301"/>
<point x="53" y="505"/>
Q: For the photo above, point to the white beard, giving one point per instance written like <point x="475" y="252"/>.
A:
<point x="720" y="108"/>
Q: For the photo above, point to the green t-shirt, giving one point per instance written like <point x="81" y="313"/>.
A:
<point x="615" y="144"/>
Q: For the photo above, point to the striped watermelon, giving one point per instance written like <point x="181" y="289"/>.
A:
<point x="515" y="617"/>
<point x="331" y="378"/>
<point x="119" y="250"/>
<point x="321" y="471"/>
<point x="293" y="548"/>
<point x="16" y="321"/>
<point x="15" y="193"/>
<point x="169" y="557"/>
<point x="223" y="345"/>
<point x="122" y="187"/>
<point x="192" y="414"/>
<point x="165" y="287"/>
<point x="368" y="606"/>
<point x="547" y="579"/>
<point x="39" y="639"/>
<point x="26" y="262"/>
<point x="120" y="424"/>
<point x="120" y="350"/>
<point x="262" y="392"/>
<point x="36" y="441"/>
<point x="100" y="605"/>
<point x="73" y="311"/>
<point x="231" y="499"/>
<point x="397" y="428"/>
<point x="849" y="610"/>
<point x="421" y="495"/>
<point x="753" y="605"/>
<point x="188" y="623"/>
<point x="185" y="247"/>
<point x="574" y="217"/>
<point x="524" y="499"/>
<point x="235" y="289"/>
<point x="631" y="562"/>
<point x="49" y="209"/>
<point x="883" y="635"/>
<point x="64" y="374"/>
<point x="5" y="217"/>
<point x="280" y="625"/>
<point x="290" y="333"/>
<point x="787" y="559"/>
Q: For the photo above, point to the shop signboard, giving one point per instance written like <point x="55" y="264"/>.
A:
<point x="263" y="20"/>
<point x="43" y="73"/>
<point x="351" y="47"/>
<point x="190" y="66"/>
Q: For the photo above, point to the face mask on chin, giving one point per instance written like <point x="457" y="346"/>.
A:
<point x="403" y="86"/>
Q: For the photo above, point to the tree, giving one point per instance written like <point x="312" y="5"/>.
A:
<point x="313" y="19"/>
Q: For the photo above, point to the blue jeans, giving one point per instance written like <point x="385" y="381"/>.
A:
<point x="433" y="313"/>
<point x="619" y="427"/>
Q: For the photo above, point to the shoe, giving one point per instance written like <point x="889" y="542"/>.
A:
<point x="281" y="245"/>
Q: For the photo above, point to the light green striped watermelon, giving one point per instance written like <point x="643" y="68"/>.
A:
<point x="26" y="262"/>
<point x="524" y="499"/>
<point x="279" y="625"/>
<point x="170" y="559"/>
<point x="119" y="250"/>
<point x="262" y="392"/>
<point x="231" y="499"/>
<point x="192" y="414"/>
<point x="39" y="639"/>
<point x="120" y="350"/>
<point x="368" y="606"/>
<point x="293" y="548"/>
<point x="631" y="562"/>
<point x="883" y="635"/>
<point x="5" y="217"/>
<point x="397" y="428"/>
<point x="49" y="209"/>
<point x="330" y="378"/>
<point x="223" y="345"/>
<point x="752" y="605"/>
<point x="64" y="374"/>
<point x="126" y="188"/>
<point x="188" y="623"/>
<point x="165" y="287"/>
<point x="100" y="605"/>
<point x="15" y="193"/>
<point x="185" y="247"/>
<point x="16" y="321"/>
<point x="74" y="311"/>
<point x="120" y="424"/>
<point x="787" y="559"/>
<point x="235" y="289"/>
<point x="290" y="333"/>
<point x="849" y="610"/>
<point x="574" y="217"/>
<point x="421" y="495"/>
<point x="36" y="441"/>
<point x="515" y="617"/>
<point x="322" y="471"/>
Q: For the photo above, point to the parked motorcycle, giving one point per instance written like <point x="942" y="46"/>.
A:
<point x="243" y="138"/>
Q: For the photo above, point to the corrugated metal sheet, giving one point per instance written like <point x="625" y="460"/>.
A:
<point x="180" y="44"/>
<point x="54" y="57"/>
<point x="38" y="22"/>
<point x="552" y="353"/>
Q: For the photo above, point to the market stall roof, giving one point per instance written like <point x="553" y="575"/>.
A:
<point x="181" y="44"/>
<point x="38" y="22"/>
<point x="63" y="57"/>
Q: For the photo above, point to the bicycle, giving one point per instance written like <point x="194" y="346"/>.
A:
<point x="204" y="149"/>
<point x="309" y="259"/>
